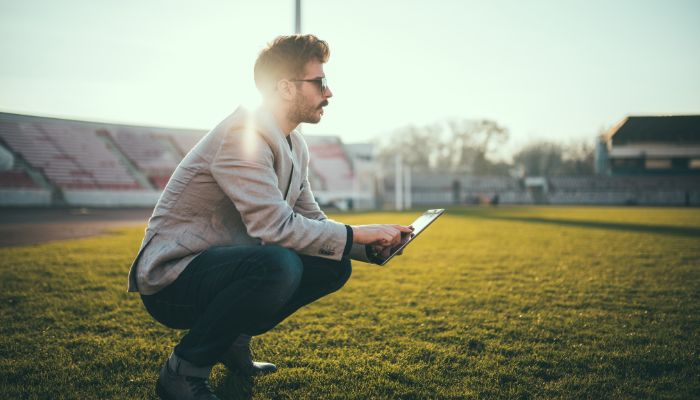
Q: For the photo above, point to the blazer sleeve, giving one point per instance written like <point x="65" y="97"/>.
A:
<point x="307" y="206"/>
<point x="244" y="169"/>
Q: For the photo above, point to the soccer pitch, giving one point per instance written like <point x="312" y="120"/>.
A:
<point x="508" y="302"/>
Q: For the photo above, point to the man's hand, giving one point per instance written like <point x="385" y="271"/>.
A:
<point x="382" y="252"/>
<point x="385" y="251"/>
<point x="383" y="235"/>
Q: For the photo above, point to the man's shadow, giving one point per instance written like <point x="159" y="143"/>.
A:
<point x="235" y="386"/>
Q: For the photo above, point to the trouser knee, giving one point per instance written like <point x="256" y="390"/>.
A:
<point x="283" y="270"/>
<point x="342" y="271"/>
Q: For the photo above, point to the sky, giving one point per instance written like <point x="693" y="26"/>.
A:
<point x="546" y="70"/>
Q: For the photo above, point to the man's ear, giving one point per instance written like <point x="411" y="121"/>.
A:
<point x="286" y="89"/>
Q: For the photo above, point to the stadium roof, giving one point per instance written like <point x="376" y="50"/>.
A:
<point x="677" y="129"/>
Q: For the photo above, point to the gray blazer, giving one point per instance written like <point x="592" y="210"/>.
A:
<point x="240" y="185"/>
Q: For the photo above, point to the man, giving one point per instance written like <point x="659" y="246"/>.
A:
<point x="237" y="242"/>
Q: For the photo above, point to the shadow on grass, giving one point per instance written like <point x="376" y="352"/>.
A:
<point x="235" y="387"/>
<point x="660" y="229"/>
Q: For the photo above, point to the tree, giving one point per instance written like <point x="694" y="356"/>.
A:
<point x="540" y="158"/>
<point x="579" y="157"/>
<point x="417" y="146"/>
<point x="546" y="158"/>
<point x="472" y="141"/>
<point x="463" y="147"/>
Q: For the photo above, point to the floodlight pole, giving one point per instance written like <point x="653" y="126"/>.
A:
<point x="398" y="183"/>
<point x="407" y="199"/>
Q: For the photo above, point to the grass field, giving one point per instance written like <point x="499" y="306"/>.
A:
<point x="514" y="302"/>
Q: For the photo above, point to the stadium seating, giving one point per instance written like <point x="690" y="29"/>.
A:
<point x="108" y="164"/>
<point x="623" y="183"/>
<point x="330" y="164"/>
<point x="147" y="152"/>
<point x="39" y="151"/>
<point x="92" y="156"/>
<point x="16" y="179"/>
<point x="159" y="181"/>
<point x="185" y="141"/>
<point x="70" y="156"/>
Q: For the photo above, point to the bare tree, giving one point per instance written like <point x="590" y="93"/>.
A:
<point x="547" y="158"/>
<point x="463" y="147"/>
<point x="416" y="145"/>
<point x="472" y="140"/>
<point x="579" y="157"/>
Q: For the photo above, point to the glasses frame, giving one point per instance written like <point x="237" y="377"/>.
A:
<point x="321" y="82"/>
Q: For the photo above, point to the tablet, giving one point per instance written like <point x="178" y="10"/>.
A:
<point x="419" y="225"/>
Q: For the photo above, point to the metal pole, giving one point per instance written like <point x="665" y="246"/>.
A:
<point x="408" y="200"/>
<point x="398" y="183"/>
<point x="297" y="21"/>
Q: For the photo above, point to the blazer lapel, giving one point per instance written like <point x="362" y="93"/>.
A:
<point x="290" y="172"/>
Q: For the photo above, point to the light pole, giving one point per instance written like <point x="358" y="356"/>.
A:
<point x="398" y="182"/>
<point x="297" y="17"/>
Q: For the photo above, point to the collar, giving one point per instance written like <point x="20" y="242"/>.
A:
<point x="269" y="125"/>
<point x="268" y="121"/>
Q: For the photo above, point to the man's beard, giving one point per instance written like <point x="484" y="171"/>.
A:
<point x="305" y="112"/>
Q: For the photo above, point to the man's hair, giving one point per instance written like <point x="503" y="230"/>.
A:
<point x="286" y="57"/>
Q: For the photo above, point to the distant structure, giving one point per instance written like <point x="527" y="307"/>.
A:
<point x="368" y="189"/>
<point x="342" y="176"/>
<point x="640" y="161"/>
<point x="653" y="145"/>
<point x="59" y="162"/>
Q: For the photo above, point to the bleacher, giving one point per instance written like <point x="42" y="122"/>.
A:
<point x="331" y="168"/>
<point x="185" y="141"/>
<point x="16" y="179"/>
<point x="67" y="155"/>
<point x="623" y="183"/>
<point x="49" y="161"/>
<point x="651" y="190"/>
<point x="92" y="156"/>
<point x="148" y="154"/>
<point x="426" y="181"/>
<point x="87" y="163"/>
<point x="40" y="152"/>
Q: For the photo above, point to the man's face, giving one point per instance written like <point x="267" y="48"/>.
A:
<point x="310" y="98"/>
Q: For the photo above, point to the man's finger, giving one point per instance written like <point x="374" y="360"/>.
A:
<point x="386" y="252"/>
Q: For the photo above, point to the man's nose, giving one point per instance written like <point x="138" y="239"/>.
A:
<point x="328" y="94"/>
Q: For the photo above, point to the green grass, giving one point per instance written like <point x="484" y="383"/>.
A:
<point x="514" y="302"/>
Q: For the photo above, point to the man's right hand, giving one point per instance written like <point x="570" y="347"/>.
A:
<point x="384" y="235"/>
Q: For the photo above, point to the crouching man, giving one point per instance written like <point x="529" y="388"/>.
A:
<point x="236" y="242"/>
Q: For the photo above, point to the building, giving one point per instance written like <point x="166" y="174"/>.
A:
<point x="651" y="145"/>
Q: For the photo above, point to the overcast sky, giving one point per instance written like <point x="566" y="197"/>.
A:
<point x="543" y="69"/>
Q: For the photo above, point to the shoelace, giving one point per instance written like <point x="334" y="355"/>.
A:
<point x="200" y="386"/>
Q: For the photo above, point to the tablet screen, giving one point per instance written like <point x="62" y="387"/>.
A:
<point x="419" y="226"/>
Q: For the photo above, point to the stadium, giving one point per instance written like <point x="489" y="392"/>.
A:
<point x="580" y="281"/>
<point x="52" y="162"/>
<point x="591" y="316"/>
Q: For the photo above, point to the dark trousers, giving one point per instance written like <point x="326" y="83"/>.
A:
<point x="231" y="290"/>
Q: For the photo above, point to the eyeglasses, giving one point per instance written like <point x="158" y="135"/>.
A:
<point x="321" y="82"/>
